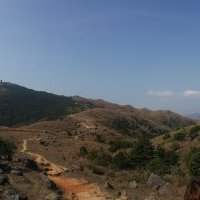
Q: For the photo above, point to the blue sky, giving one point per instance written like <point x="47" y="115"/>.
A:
<point x="139" y="52"/>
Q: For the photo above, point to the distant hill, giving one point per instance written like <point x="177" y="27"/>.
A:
<point x="110" y="119"/>
<point x="22" y="105"/>
<point x="194" y="116"/>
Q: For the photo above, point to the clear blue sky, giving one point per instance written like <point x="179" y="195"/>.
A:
<point x="140" y="52"/>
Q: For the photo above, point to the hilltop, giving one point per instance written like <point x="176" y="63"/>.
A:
<point x="20" y="105"/>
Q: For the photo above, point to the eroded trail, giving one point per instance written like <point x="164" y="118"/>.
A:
<point x="77" y="189"/>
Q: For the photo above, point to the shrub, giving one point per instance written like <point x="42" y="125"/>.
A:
<point x="83" y="151"/>
<point x="142" y="153"/>
<point x="194" y="164"/>
<point x="163" y="161"/>
<point x="158" y="166"/>
<point x="100" y="158"/>
<point x="120" y="144"/>
<point x="7" y="148"/>
<point x="121" y="161"/>
<point x="194" y="132"/>
<point x="121" y="124"/>
<point x="180" y="136"/>
<point x="166" y="136"/>
<point x="195" y="129"/>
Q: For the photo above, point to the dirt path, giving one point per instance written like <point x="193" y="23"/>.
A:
<point x="77" y="189"/>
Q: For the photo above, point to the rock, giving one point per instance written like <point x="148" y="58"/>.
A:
<point x="109" y="186"/>
<point x="16" y="172"/>
<point x="133" y="184"/>
<point x="3" y="179"/>
<point x="10" y="195"/>
<point x="166" y="190"/>
<point x="152" y="197"/>
<point x="53" y="196"/>
<point x="31" y="164"/>
<point x="50" y="184"/>
<point x="122" y="196"/>
<point x="155" y="181"/>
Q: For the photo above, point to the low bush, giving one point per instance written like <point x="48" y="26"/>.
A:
<point x="180" y="136"/>
<point x="83" y="151"/>
<point x="7" y="148"/>
<point x="121" y="161"/>
<point x="166" y="136"/>
<point x="100" y="158"/>
<point x="120" y="144"/>
<point x="193" y="162"/>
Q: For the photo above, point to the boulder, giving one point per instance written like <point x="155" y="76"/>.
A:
<point x="166" y="190"/>
<point x="155" y="181"/>
<point x="122" y="196"/>
<point x="133" y="184"/>
<point x="53" y="196"/>
<point x="109" y="186"/>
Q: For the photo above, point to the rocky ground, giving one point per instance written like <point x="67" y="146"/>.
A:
<point x="40" y="171"/>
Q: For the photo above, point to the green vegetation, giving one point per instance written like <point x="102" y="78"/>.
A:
<point x="121" y="124"/>
<point x="83" y="151"/>
<point x="139" y="155"/>
<point x="100" y="157"/>
<point x="121" y="161"/>
<point x="180" y="135"/>
<point x="120" y="144"/>
<point x="166" y="136"/>
<point x="7" y="148"/>
<point x="22" y="105"/>
<point x="194" y="132"/>
<point x="193" y="162"/>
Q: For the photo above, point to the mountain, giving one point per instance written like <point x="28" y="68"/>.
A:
<point x="22" y="105"/>
<point x="194" y="116"/>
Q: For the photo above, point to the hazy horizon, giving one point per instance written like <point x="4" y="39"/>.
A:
<point x="139" y="52"/>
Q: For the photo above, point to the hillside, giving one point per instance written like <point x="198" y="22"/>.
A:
<point x="118" y="120"/>
<point x="20" y="105"/>
<point x="88" y="149"/>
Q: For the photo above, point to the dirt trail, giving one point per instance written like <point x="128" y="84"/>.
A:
<point x="79" y="189"/>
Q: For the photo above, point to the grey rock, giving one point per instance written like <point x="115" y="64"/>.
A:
<point x="11" y="194"/>
<point x="133" y="184"/>
<point x="155" y="181"/>
<point x="166" y="190"/>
